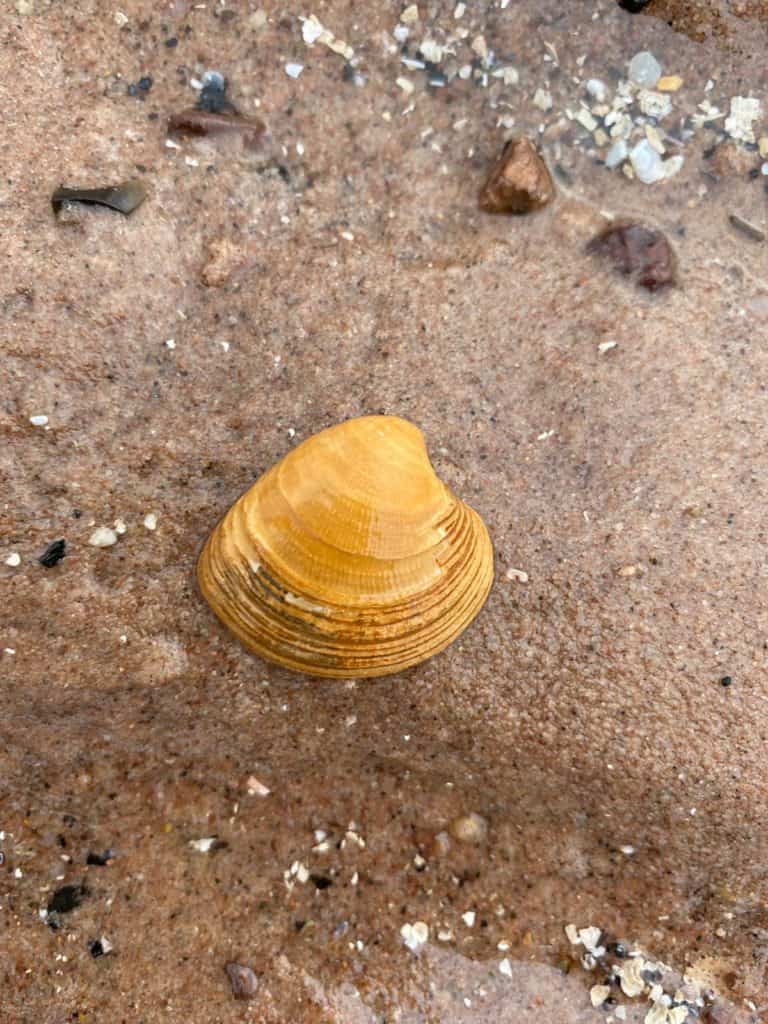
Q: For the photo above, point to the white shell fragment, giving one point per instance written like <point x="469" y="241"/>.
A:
<point x="631" y="977"/>
<point x="590" y="937"/>
<point x="13" y="559"/>
<point x="745" y="110"/>
<point x="415" y="935"/>
<point x="102" y="537"/>
<point x="598" y="994"/>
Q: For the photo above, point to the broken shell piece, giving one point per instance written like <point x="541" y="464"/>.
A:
<point x="349" y="557"/>
<point x="123" y="198"/>
<point x="519" y="180"/>
<point x="206" y="123"/>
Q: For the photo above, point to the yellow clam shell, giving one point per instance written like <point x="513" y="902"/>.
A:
<point x="349" y="557"/>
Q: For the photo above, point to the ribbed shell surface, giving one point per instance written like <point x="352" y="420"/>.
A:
<point x="349" y="557"/>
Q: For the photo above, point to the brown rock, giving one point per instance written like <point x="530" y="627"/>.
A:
<point x="519" y="181"/>
<point x="637" y="251"/>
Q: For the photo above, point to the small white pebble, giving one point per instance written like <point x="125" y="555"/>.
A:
<point x="468" y="917"/>
<point x="589" y="937"/>
<point x="518" y="575"/>
<point x="502" y="946"/>
<point x="542" y="99"/>
<point x="431" y="51"/>
<point x="410" y="15"/>
<point x="203" y="845"/>
<point x="300" y="148"/>
<point x="354" y="879"/>
<point x="620" y="1013"/>
<point x="646" y="162"/>
<point x="170" y="343"/>
<point x="586" y="120"/>
<point x="458" y="11"/>
<point x="13" y="559"/>
<point x="256" y="788"/>
<point x="445" y="935"/>
<point x="572" y="934"/>
<point x="103" y="537"/>
<point x="120" y="526"/>
<point x="644" y="69"/>
<point x="347" y="236"/>
<point x="38" y="421"/>
<point x="171" y="144"/>
<point x="293" y="70"/>
<point x="617" y="154"/>
<point x="480" y="47"/>
<point x="150" y="521"/>
<point x="606" y="346"/>
<point x="401" y="33"/>
<point x="17" y="873"/>
<point x="597" y="89"/>
<point x="121" y="19"/>
<point x="505" y="967"/>
<point x="311" y="30"/>
<point x="405" y="84"/>
<point x="9" y="650"/>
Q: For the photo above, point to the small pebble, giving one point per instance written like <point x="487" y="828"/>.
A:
<point x="644" y="69"/>
<point x="505" y="967"/>
<point x="669" y="83"/>
<point x="53" y="553"/>
<point x="617" y="154"/>
<point x="103" y="537"/>
<point x="256" y="788"/>
<point x="598" y="994"/>
<point x="293" y="70"/>
<point x="204" y="845"/>
<point x="13" y="559"/>
<point x="646" y="162"/>
<point x="150" y="521"/>
<point x="726" y="681"/>
<point x="38" y="421"/>
<point x="242" y="980"/>
<point x="597" y="89"/>
<point x="415" y="935"/>
<point x="469" y="828"/>
<point x="468" y="917"/>
<point x="519" y="181"/>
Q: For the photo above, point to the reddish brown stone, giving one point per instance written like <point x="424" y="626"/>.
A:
<point x="519" y="181"/>
<point x="637" y="251"/>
